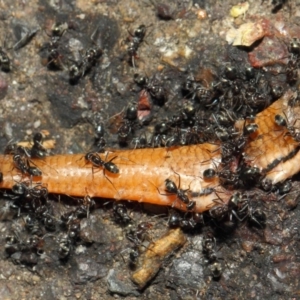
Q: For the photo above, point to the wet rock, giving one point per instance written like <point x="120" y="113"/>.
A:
<point x="187" y="271"/>
<point x="93" y="230"/>
<point x="63" y="108"/>
<point x="119" y="283"/>
<point x="58" y="289"/>
<point x="106" y="32"/>
<point x="86" y="270"/>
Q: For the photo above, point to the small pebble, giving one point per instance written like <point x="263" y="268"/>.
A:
<point x="3" y="87"/>
<point x="291" y="201"/>
<point x="37" y="124"/>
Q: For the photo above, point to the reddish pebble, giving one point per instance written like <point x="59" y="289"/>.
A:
<point x="144" y="105"/>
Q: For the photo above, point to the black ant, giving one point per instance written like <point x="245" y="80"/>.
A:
<point x="278" y="4"/>
<point x="210" y="174"/>
<point x="197" y="91"/>
<point x="37" y="150"/>
<point x="81" y="211"/>
<point x="285" y="187"/>
<point x="139" y="235"/>
<point x="99" y="137"/>
<point x="250" y="128"/>
<point x="22" y="164"/>
<point x="140" y="142"/>
<point x="125" y="131"/>
<point x="128" y="123"/>
<point x="249" y="175"/>
<point x="21" y="161"/>
<point x="97" y="161"/>
<point x="222" y="132"/>
<point x="4" y="61"/>
<point x="54" y="56"/>
<point x="27" y="198"/>
<point x="153" y="86"/>
<point x="174" y="219"/>
<point x="292" y="69"/>
<point x="134" y="254"/>
<point x="74" y="229"/>
<point x="33" y="225"/>
<point x="172" y="189"/>
<point x="120" y="213"/>
<point x="81" y="68"/>
<point x="255" y="216"/>
<point x="222" y="209"/>
<point x="210" y="252"/>
<point x="134" y="41"/>
<point x="65" y="246"/>
<point x="292" y="131"/>
<point x="39" y="192"/>
<point x="49" y="223"/>
<point x="12" y="244"/>
<point x="216" y="269"/>
<point x="187" y="222"/>
<point x="58" y="29"/>
<point x="84" y="209"/>
<point x="209" y="248"/>
<point x="88" y="60"/>
<point x="294" y="46"/>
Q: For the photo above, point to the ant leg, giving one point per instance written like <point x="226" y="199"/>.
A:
<point x="132" y="61"/>
<point x="109" y="180"/>
<point x="178" y="177"/>
<point x="168" y="194"/>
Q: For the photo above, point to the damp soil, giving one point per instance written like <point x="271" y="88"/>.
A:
<point x="38" y="95"/>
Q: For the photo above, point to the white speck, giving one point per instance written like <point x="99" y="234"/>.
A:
<point x="279" y="274"/>
<point x="8" y="130"/>
<point x="81" y="16"/>
<point x="80" y="249"/>
<point x="187" y="51"/>
<point x="81" y="103"/>
<point x="83" y="267"/>
<point x="37" y="124"/>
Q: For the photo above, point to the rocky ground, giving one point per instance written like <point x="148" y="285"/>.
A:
<point x="38" y="94"/>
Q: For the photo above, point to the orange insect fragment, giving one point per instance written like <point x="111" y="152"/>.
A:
<point x="272" y="147"/>
<point x="141" y="178"/>
<point x="154" y="256"/>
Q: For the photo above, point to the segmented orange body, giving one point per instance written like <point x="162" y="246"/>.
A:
<point x="141" y="177"/>
<point x="143" y="171"/>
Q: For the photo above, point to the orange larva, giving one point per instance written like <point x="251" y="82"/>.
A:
<point x="143" y="171"/>
<point x="141" y="178"/>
